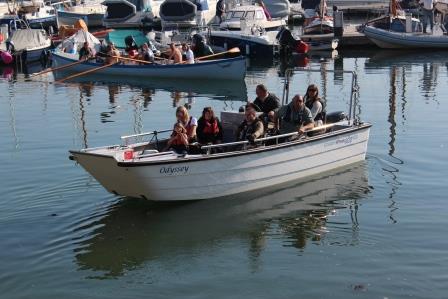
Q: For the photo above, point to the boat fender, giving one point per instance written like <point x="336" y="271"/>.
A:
<point x="302" y="47"/>
<point x="6" y="57"/>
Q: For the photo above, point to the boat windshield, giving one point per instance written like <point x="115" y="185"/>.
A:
<point x="250" y="15"/>
<point x="236" y="15"/>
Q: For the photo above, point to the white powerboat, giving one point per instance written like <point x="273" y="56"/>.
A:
<point x="142" y="170"/>
<point x="129" y="14"/>
<point x="251" y="42"/>
<point x="251" y="15"/>
<point x="92" y="12"/>
<point x="176" y="14"/>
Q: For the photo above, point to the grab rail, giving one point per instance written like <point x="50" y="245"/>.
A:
<point x="244" y="142"/>
<point x="145" y="134"/>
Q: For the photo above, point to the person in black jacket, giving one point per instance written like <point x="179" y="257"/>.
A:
<point x="209" y="128"/>
<point x="268" y="103"/>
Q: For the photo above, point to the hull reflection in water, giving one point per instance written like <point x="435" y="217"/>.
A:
<point x="218" y="89"/>
<point x="135" y="232"/>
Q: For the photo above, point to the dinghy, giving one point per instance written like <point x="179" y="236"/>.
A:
<point x="143" y="170"/>
<point x="401" y="40"/>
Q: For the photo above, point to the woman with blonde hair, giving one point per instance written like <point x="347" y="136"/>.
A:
<point x="190" y="123"/>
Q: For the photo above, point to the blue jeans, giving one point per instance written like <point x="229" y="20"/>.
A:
<point x="428" y="16"/>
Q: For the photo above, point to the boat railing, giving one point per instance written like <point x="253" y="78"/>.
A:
<point x="354" y="91"/>
<point x="145" y="134"/>
<point x="274" y="137"/>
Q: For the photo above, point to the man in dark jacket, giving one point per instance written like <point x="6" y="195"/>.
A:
<point x="267" y="102"/>
<point x="295" y="117"/>
<point x="252" y="127"/>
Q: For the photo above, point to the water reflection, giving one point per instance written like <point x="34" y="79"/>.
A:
<point x="428" y="82"/>
<point x="424" y="63"/>
<point x="228" y="90"/>
<point x="135" y="232"/>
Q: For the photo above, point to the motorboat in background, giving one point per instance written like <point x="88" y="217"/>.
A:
<point x="396" y="20"/>
<point x="401" y="40"/>
<point x="175" y="14"/>
<point x="255" y="15"/>
<point x="252" y="41"/>
<point x="39" y="15"/>
<point x="144" y="170"/>
<point x="321" y="24"/>
<point x="29" y="45"/>
<point x="36" y="14"/>
<point x="128" y="14"/>
<point x="92" y="12"/>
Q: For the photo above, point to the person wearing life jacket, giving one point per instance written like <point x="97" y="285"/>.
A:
<point x="295" y="116"/>
<point x="252" y="127"/>
<point x="190" y="123"/>
<point x="209" y="128"/>
<point x="178" y="141"/>
<point x="315" y="104"/>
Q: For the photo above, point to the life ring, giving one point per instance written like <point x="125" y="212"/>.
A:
<point x="2" y="38"/>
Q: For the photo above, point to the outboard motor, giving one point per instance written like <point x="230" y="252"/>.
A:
<point x="334" y="117"/>
<point x="289" y="44"/>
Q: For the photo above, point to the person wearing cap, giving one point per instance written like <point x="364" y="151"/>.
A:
<point x="295" y="116"/>
<point x="252" y="127"/>
<point x="175" y="54"/>
<point x="267" y="102"/>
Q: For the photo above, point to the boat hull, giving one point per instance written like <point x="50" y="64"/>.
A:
<point x="70" y="18"/>
<point x="227" y="174"/>
<point x="397" y="40"/>
<point x="230" y="69"/>
<point x="249" y="45"/>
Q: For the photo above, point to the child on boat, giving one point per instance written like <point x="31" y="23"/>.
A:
<point x="179" y="140"/>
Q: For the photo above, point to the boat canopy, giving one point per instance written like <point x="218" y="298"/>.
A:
<point x="118" y="37"/>
<point x="26" y="39"/>
<point x="177" y="10"/>
<point x="77" y="40"/>
<point x="278" y="8"/>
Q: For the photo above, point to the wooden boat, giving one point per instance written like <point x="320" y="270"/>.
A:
<point x="142" y="170"/>
<point x="229" y="69"/>
<point x="401" y="40"/>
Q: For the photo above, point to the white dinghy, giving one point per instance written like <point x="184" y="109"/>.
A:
<point x="142" y="170"/>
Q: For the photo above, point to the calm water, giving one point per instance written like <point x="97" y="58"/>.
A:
<point x="373" y="230"/>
